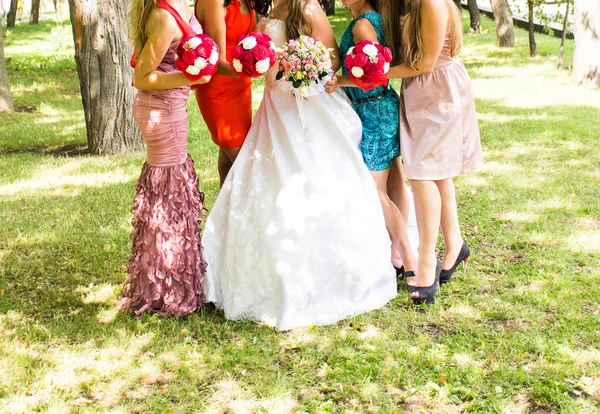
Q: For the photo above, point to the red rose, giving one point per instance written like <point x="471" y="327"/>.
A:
<point x="358" y="48"/>
<point x="260" y="52"/>
<point x="348" y="62"/>
<point x="272" y="55"/>
<point x="204" y="50"/>
<point x="209" y="70"/>
<point x="189" y="56"/>
<point x="374" y="70"/>
<point x="360" y="60"/>
<point x="367" y="79"/>
<point x="387" y="54"/>
<point x="181" y="65"/>
<point x="379" y="47"/>
<point x="237" y="51"/>
<point x="248" y="70"/>
<point x="247" y="59"/>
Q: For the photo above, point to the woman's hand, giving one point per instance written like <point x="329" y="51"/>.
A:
<point x="332" y="85"/>
<point x="203" y="80"/>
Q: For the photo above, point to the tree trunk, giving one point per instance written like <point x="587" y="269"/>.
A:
<point x="586" y="59"/>
<point x="34" y="18"/>
<point x="474" y="16"/>
<point x="102" y="55"/>
<point x="561" y="53"/>
<point x="504" y="23"/>
<point x="12" y="14"/>
<point x="328" y="6"/>
<point x="532" y="45"/>
<point x="5" y="97"/>
<point x="458" y="4"/>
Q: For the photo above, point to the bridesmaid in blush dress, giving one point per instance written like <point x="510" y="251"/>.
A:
<point x="166" y="265"/>
<point x="226" y="102"/>
<point x="439" y="132"/>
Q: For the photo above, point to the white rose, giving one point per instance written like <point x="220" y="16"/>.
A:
<point x="192" y="70"/>
<point x="194" y="42"/>
<point x="370" y="50"/>
<point x="200" y="63"/>
<point x="350" y="50"/>
<point x="237" y="65"/>
<point x="263" y="65"/>
<point x="214" y="57"/>
<point x="386" y="67"/>
<point x="249" y="43"/>
<point x="357" y="72"/>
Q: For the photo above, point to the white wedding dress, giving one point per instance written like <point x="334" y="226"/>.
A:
<point x="296" y="236"/>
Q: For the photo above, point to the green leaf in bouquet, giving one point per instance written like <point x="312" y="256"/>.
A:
<point x="279" y="75"/>
<point x="296" y="83"/>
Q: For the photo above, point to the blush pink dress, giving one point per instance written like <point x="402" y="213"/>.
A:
<point x="439" y="135"/>
<point x="166" y="265"/>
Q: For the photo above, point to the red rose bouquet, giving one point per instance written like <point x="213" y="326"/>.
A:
<point x="197" y="56"/>
<point x="253" y="55"/>
<point x="367" y="64"/>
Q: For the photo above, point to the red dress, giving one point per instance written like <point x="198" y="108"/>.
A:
<point x="226" y="102"/>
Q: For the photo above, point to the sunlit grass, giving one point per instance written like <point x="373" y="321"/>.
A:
<point x="518" y="331"/>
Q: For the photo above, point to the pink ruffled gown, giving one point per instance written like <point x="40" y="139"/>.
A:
<point x="166" y="266"/>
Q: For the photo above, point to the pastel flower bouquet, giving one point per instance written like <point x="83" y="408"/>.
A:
<point x="368" y="63"/>
<point x="197" y="56"/>
<point x="254" y="55"/>
<point x="303" y="62"/>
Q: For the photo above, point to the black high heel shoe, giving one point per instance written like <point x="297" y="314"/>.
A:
<point x="463" y="256"/>
<point x="427" y="293"/>
<point x="408" y="274"/>
<point x="399" y="272"/>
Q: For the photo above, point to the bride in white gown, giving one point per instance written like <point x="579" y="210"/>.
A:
<point x="296" y="236"/>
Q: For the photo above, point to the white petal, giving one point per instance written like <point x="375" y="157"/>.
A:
<point x="249" y="43"/>
<point x="192" y="70"/>
<point x="263" y="65"/>
<point x="357" y="72"/>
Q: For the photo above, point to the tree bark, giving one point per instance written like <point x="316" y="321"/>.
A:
<point x="328" y="6"/>
<point x="11" y="17"/>
<point x="561" y="53"/>
<point x="34" y="18"/>
<point x="102" y="55"/>
<point x="532" y="44"/>
<point x="474" y="16"/>
<point x="5" y="96"/>
<point x="504" y="23"/>
<point x="586" y="59"/>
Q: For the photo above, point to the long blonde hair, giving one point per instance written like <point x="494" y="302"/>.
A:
<point x="407" y="46"/>
<point x="138" y="18"/>
<point x="296" y="22"/>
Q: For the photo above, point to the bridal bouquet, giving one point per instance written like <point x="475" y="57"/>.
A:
<point x="303" y="62"/>
<point x="367" y="64"/>
<point x="197" y="56"/>
<point x="253" y="55"/>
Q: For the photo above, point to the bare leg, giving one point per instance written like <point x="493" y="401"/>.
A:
<point x="449" y="222"/>
<point x="428" y="210"/>
<point x="226" y="158"/>
<point x="396" y="189"/>
<point x="393" y="221"/>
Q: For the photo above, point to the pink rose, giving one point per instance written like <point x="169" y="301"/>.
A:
<point x="181" y="65"/>
<point x="358" y="48"/>
<point x="387" y="54"/>
<point x="248" y="70"/>
<point x="247" y="60"/>
<point x="366" y="78"/>
<point x="374" y="70"/>
<point x="189" y="56"/>
<point x="348" y="63"/>
<point x="360" y="60"/>
<point x="204" y="50"/>
<point x="209" y="70"/>
<point x="237" y="51"/>
<point x="261" y="52"/>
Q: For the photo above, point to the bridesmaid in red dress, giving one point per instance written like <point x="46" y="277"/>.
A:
<point x="166" y="266"/>
<point x="226" y="102"/>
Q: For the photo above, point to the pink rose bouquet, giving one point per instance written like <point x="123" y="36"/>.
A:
<point x="303" y="62"/>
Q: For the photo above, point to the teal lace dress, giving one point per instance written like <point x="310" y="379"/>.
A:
<point x="378" y="108"/>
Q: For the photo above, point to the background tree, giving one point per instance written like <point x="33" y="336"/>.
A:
<point x="328" y="6"/>
<point x="474" y="16"/>
<point x="102" y="54"/>
<point x="12" y="14"/>
<point x="5" y="97"/>
<point x="34" y="18"/>
<point x="458" y="4"/>
<point x="505" y="31"/>
<point x="586" y="58"/>
<point x="561" y="53"/>
<point x="531" y="26"/>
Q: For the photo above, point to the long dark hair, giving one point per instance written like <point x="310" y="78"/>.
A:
<point x="259" y="6"/>
<point x="376" y="4"/>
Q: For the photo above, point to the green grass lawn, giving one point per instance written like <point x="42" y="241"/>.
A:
<point x="518" y="331"/>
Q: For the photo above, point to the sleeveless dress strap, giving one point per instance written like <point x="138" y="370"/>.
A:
<point x="183" y="25"/>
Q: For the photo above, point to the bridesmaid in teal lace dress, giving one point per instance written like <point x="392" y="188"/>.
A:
<point x="378" y="110"/>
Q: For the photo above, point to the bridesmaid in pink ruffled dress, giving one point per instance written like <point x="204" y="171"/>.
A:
<point x="166" y="266"/>
<point x="439" y="135"/>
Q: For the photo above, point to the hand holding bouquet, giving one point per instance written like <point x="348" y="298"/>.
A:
<point x="197" y="56"/>
<point x="367" y="64"/>
<point x="303" y="62"/>
<point x="253" y="55"/>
